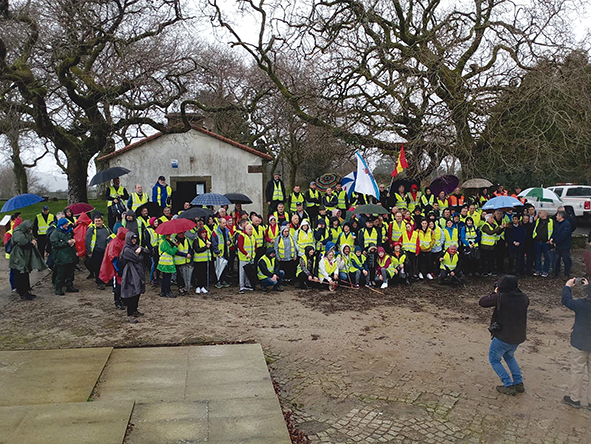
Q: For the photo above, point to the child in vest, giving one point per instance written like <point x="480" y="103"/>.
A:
<point x="201" y="261"/>
<point x="398" y="260"/>
<point x="358" y="271"/>
<point x="450" y="266"/>
<point x="426" y="242"/>
<point x="383" y="268"/>
<point x="411" y="247"/>
<point x="328" y="268"/>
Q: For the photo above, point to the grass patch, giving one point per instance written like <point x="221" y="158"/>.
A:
<point x="54" y="207"/>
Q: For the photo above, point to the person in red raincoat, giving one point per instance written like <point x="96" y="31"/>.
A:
<point x="109" y="269"/>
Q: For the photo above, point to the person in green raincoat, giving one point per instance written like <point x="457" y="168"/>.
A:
<point x="24" y="258"/>
<point x="166" y="265"/>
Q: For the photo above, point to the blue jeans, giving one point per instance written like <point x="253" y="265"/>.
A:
<point x="501" y="350"/>
<point x="563" y="253"/>
<point x="267" y="282"/>
<point x="542" y="248"/>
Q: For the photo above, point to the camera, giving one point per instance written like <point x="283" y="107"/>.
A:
<point x="495" y="285"/>
<point x="495" y="326"/>
<point x="579" y="281"/>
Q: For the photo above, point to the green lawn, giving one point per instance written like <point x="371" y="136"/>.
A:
<point x="54" y="207"/>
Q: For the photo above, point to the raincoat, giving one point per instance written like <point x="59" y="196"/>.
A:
<point x="111" y="253"/>
<point x="80" y="234"/>
<point x="133" y="278"/>
<point x="24" y="256"/>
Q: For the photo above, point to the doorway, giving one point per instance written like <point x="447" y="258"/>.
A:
<point x="186" y="192"/>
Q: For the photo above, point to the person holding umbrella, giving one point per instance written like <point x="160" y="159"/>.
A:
<point x="64" y="257"/>
<point x="24" y="258"/>
<point x="116" y="194"/>
<point x="40" y="226"/>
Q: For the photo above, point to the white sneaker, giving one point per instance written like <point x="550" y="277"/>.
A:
<point x="204" y="290"/>
<point x="384" y="285"/>
<point x="421" y="276"/>
<point x="430" y="276"/>
<point x="198" y="290"/>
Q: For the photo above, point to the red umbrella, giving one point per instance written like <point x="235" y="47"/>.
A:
<point x="80" y="207"/>
<point x="174" y="226"/>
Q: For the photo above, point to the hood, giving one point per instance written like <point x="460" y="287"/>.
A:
<point x="335" y="213"/>
<point x="83" y="219"/>
<point x="329" y="246"/>
<point x="128" y="237"/>
<point x="343" y="249"/>
<point x="305" y="222"/>
<point x="24" y="226"/>
<point x="358" y="248"/>
<point x="121" y="232"/>
<point x="130" y="213"/>
<point x="270" y="251"/>
<point x="62" y="223"/>
<point x="508" y="283"/>
<point x="285" y="227"/>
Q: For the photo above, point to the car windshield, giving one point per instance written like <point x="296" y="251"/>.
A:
<point x="579" y="192"/>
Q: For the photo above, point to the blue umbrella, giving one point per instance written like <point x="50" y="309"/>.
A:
<point x="21" y="201"/>
<point x="211" y="199"/>
<point x="501" y="202"/>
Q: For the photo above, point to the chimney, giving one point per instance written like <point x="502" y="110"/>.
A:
<point x="175" y="119"/>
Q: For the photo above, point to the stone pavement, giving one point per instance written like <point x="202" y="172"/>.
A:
<point x="216" y="394"/>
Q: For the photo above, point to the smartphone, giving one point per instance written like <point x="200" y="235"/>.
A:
<point x="579" y="281"/>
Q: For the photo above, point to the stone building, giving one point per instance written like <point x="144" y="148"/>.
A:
<point x="198" y="161"/>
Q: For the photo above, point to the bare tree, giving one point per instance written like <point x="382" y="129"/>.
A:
<point x="85" y="73"/>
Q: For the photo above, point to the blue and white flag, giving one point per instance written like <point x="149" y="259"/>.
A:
<point x="365" y="183"/>
<point x="348" y="183"/>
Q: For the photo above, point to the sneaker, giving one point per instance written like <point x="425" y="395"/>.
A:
<point x="384" y="285"/>
<point x="421" y="276"/>
<point x="204" y="290"/>
<point x="519" y="388"/>
<point x="430" y="276"/>
<point x="132" y="320"/>
<point x="241" y="291"/>
<point x="219" y="286"/>
<point x="225" y="284"/>
<point x="198" y="290"/>
<point x="544" y="275"/>
<point x="249" y="288"/>
<point x="568" y="401"/>
<point x="72" y="290"/>
<point x="506" y="390"/>
<point x="536" y="274"/>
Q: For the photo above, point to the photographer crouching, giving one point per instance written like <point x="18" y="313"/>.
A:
<point x="507" y="327"/>
<point x="580" y="340"/>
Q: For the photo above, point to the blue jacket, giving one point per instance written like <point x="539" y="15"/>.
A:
<point x="581" y="335"/>
<point x="515" y="234"/>
<point x="562" y="235"/>
<point x="463" y="236"/>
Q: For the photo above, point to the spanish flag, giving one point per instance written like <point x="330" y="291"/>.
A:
<point x="401" y="164"/>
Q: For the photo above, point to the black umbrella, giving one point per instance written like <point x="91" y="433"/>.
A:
<point x="406" y="182"/>
<point x="238" y="198"/>
<point x="153" y="209"/>
<point x="195" y="212"/>
<point x="108" y="175"/>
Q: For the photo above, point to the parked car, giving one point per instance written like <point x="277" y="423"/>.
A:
<point x="577" y="197"/>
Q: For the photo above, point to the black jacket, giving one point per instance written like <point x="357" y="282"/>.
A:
<point x="511" y="311"/>
<point x="581" y="335"/>
<point x="271" y="187"/>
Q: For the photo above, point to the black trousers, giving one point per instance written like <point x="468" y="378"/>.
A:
<point x="425" y="262"/>
<point x="488" y="259"/>
<point x="200" y="274"/>
<point x="313" y="213"/>
<point x="22" y="283"/>
<point x="94" y="264"/>
<point x="42" y="244"/>
<point x="500" y="255"/>
<point x="64" y="275"/>
<point x="289" y="268"/>
<point x="131" y="304"/>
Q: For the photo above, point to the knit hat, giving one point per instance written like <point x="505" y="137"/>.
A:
<point x="63" y="221"/>
<point x="151" y="221"/>
<point x="381" y="250"/>
<point x="272" y="217"/>
<point x="329" y="246"/>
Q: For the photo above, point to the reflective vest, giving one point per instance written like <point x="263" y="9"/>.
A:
<point x="382" y="262"/>
<point x="281" y="246"/>
<point x="137" y="201"/>
<point x="277" y="191"/>
<point x="183" y="248"/>
<point x="305" y="239"/>
<point x="443" y="222"/>
<point x="165" y="258"/>
<point x="550" y="228"/>
<point x="427" y="200"/>
<point x="42" y="225"/>
<point x="205" y="255"/>
<point x="437" y="235"/>
<point x="115" y="193"/>
<point x="93" y="238"/>
<point x="455" y="202"/>
<point x="450" y="262"/>
<point x="159" y="195"/>
<point x="488" y="239"/>
<point x="330" y="268"/>
<point x="471" y="235"/>
<point x="314" y="194"/>
<point x="442" y="204"/>
<point x="322" y="238"/>
<point x="409" y="244"/>
<point x="425" y="239"/>
<point x="153" y="236"/>
<point x="249" y="246"/>
<point x="294" y="200"/>
<point x="330" y="202"/>
<point x="476" y="218"/>
<point x="271" y="235"/>
<point x="259" y="234"/>
<point x="357" y="262"/>
<point x="397" y="261"/>
<point x="342" y="200"/>
<point x="400" y="201"/>
<point x="334" y="234"/>
<point x="281" y="217"/>
<point x="346" y="239"/>
<point x="370" y="236"/>
<point x="412" y="203"/>
<point x="221" y="242"/>
<point x="397" y="230"/>
<point x="270" y="263"/>
<point x="450" y="239"/>
<point x="164" y="219"/>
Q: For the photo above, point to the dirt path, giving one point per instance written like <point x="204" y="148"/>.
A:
<point x="355" y="366"/>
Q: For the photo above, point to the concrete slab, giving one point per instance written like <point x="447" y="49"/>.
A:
<point x="269" y="429"/>
<point x="74" y="423"/>
<point x="50" y="376"/>
<point x="10" y="419"/>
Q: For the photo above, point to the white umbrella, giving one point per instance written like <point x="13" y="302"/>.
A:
<point x="541" y="195"/>
<point x="220" y="265"/>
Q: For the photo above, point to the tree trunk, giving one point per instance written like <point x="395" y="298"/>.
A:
<point x="20" y="172"/>
<point x="77" y="171"/>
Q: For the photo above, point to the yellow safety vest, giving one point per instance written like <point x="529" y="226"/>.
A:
<point x="442" y="204"/>
<point x="277" y="191"/>
<point x="412" y="203"/>
<point x="294" y="201"/>
<point x="409" y="244"/>
<point x="93" y="238"/>
<point x="428" y="200"/>
<point x="342" y="197"/>
<point x="165" y="258"/>
<point x="450" y="239"/>
<point x="550" y="228"/>
<point x="259" y="235"/>
<point x="140" y="229"/>
<point x="269" y="262"/>
<point x="471" y="235"/>
<point x="153" y="236"/>
<point x="346" y="239"/>
<point x="449" y="262"/>
<point x="400" y="201"/>
<point x="437" y="236"/>
<point x="272" y="236"/>
<point x="159" y="195"/>
<point x="183" y="247"/>
<point x="204" y="256"/>
<point x="314" y="194"/>
<point x="299" y="269"/>
<point x="330" y="268"/>
<point x="42" y="225"/>
<point x="425" y="239"/>
<point x="370" y="237"/>
<point x="397" y="261"/>
<point x="115" y="193"/>
<point x="305" y="238"/>
<point x="334" y="234"/>
<point x="137" y="201"/>
<point x="397" y="230"/>
<point x="488" y="239"/>
<point x="323" y="238"/>
<point x="249" y="246"/>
